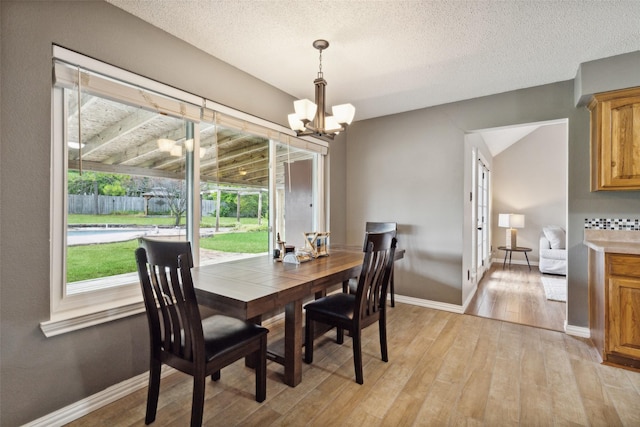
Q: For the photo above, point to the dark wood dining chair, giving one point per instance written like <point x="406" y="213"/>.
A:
<point x="180" y="338"/>
<point x="355" y="312"/>
<point x="376" y="227"/>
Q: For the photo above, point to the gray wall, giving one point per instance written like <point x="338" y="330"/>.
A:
<point x="337" y="189"/>
<point x="607" y="74"/>
<point x="530" y="178"/>
<point x="423" y="190"/>
<point x="408" y="168"/>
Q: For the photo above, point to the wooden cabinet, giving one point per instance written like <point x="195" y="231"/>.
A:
<point x="615" y="140"/>
<point x="622" y="335"/>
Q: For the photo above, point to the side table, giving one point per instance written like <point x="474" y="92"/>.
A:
<point x="510" y="251"/>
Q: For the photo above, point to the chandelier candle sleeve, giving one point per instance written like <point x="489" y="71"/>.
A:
<point x="511" y="222"/>
<point x="311" y="118"/>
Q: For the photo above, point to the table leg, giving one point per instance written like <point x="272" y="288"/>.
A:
<point x="345" y="286"/>
<point x="505" y="259"/>
<point x="525" y="255"/>
<point x="293" y="343"/>
<point x="249" y="361"/>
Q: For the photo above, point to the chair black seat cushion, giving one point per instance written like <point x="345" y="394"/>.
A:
<point x="339" y="305"/>
<point x="224" y="333"/>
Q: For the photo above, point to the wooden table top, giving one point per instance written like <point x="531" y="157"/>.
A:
<point x="250" y="287"/>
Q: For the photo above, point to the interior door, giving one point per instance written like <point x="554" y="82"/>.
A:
<point x="482" y="219"/>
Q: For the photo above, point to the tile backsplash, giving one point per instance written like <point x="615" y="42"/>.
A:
<point x="612" y="224"/>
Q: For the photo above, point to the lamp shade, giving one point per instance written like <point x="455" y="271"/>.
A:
<point x="165" y="144"/>
<point x="344" y="113"/>
<point x="305" y="109"/>
<point x="176" y="151"/>
<point x="295" y="123"/>
<point x="75" y="145"/>
<point x="511" y="220"/>
<point x="330" y="124"/>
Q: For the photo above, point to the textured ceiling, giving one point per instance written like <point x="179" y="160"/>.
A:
<point x="387" y="57"/>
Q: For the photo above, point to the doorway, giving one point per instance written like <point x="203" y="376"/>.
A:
<point x="526" y="170"/>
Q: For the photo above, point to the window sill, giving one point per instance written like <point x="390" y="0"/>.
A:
<point x="63" y="325"/>
<point x="94" y="302"/>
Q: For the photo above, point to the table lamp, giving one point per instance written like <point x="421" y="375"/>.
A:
<point x="511" y="222"/>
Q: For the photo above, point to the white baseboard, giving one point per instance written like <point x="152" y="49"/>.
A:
<point x="430" y="304"/>
<point x="577" y="331"/>
<point x="89" y="404"/>
<point x="469" y="298"/>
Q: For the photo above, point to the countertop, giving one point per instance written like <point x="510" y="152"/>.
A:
<point x="613" y="241"/>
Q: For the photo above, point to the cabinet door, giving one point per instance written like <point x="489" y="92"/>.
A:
<point x="621" y="142"/>
<point x="615" y="140"/>
<point x="624" y="316"/>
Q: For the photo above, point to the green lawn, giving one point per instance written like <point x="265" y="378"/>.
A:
<point x="100" y="260"/>
<point x="108" y="259"/>
<point x="252" y="242"/>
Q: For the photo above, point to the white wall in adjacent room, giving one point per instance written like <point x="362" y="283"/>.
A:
<point x="530" y="178"/>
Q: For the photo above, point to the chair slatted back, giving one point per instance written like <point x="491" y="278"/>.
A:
<point x="172" y="311"/>
<point x="373" y="282"/>
<point x="378" y="227"/>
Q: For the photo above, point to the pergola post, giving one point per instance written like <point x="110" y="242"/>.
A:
<point x="238" y="207"/>
<point x="259" y="207"/>
<point x="218" y="197"/>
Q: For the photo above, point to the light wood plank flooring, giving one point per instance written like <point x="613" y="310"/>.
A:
<point x="443" y="369"/>
<point x="516" y="295"/>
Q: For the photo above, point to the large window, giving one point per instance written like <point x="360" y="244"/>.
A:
<point x="126" y="179"/>
<point x="131" y="157"/>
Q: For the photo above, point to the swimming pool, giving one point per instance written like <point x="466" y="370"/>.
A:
<point x="94" y="231"/>
<point x="92" y="235"/>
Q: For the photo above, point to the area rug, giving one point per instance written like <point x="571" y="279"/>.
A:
<point x="555" y="288"/>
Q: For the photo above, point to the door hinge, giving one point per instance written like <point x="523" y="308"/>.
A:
<point x="468" y="275"/>
<point x="471" y="196"/>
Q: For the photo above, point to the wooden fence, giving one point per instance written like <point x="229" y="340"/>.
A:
<point x="105" y="205"/>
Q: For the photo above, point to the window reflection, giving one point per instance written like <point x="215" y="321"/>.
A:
<point x="125" y="179"/>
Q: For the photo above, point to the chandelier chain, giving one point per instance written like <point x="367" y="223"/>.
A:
<point x="320" y="75"/>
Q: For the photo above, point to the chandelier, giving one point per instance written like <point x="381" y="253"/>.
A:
<point x="311" y="118"/>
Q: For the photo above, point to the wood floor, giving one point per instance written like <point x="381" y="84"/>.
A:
<point x="516" y="295"/>
<point x="444" y="369"/>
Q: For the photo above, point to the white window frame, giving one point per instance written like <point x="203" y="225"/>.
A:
<point x="85" y="309"/>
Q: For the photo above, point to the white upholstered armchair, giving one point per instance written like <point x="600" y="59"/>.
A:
<point x="553" y="252"/>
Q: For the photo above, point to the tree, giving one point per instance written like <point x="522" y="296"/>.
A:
<point x="173" y="193"/>
<point x="114" y="190"/>
<point x="105" y="183"/>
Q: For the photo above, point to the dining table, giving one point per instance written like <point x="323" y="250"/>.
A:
<point x="250" y="288"/>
